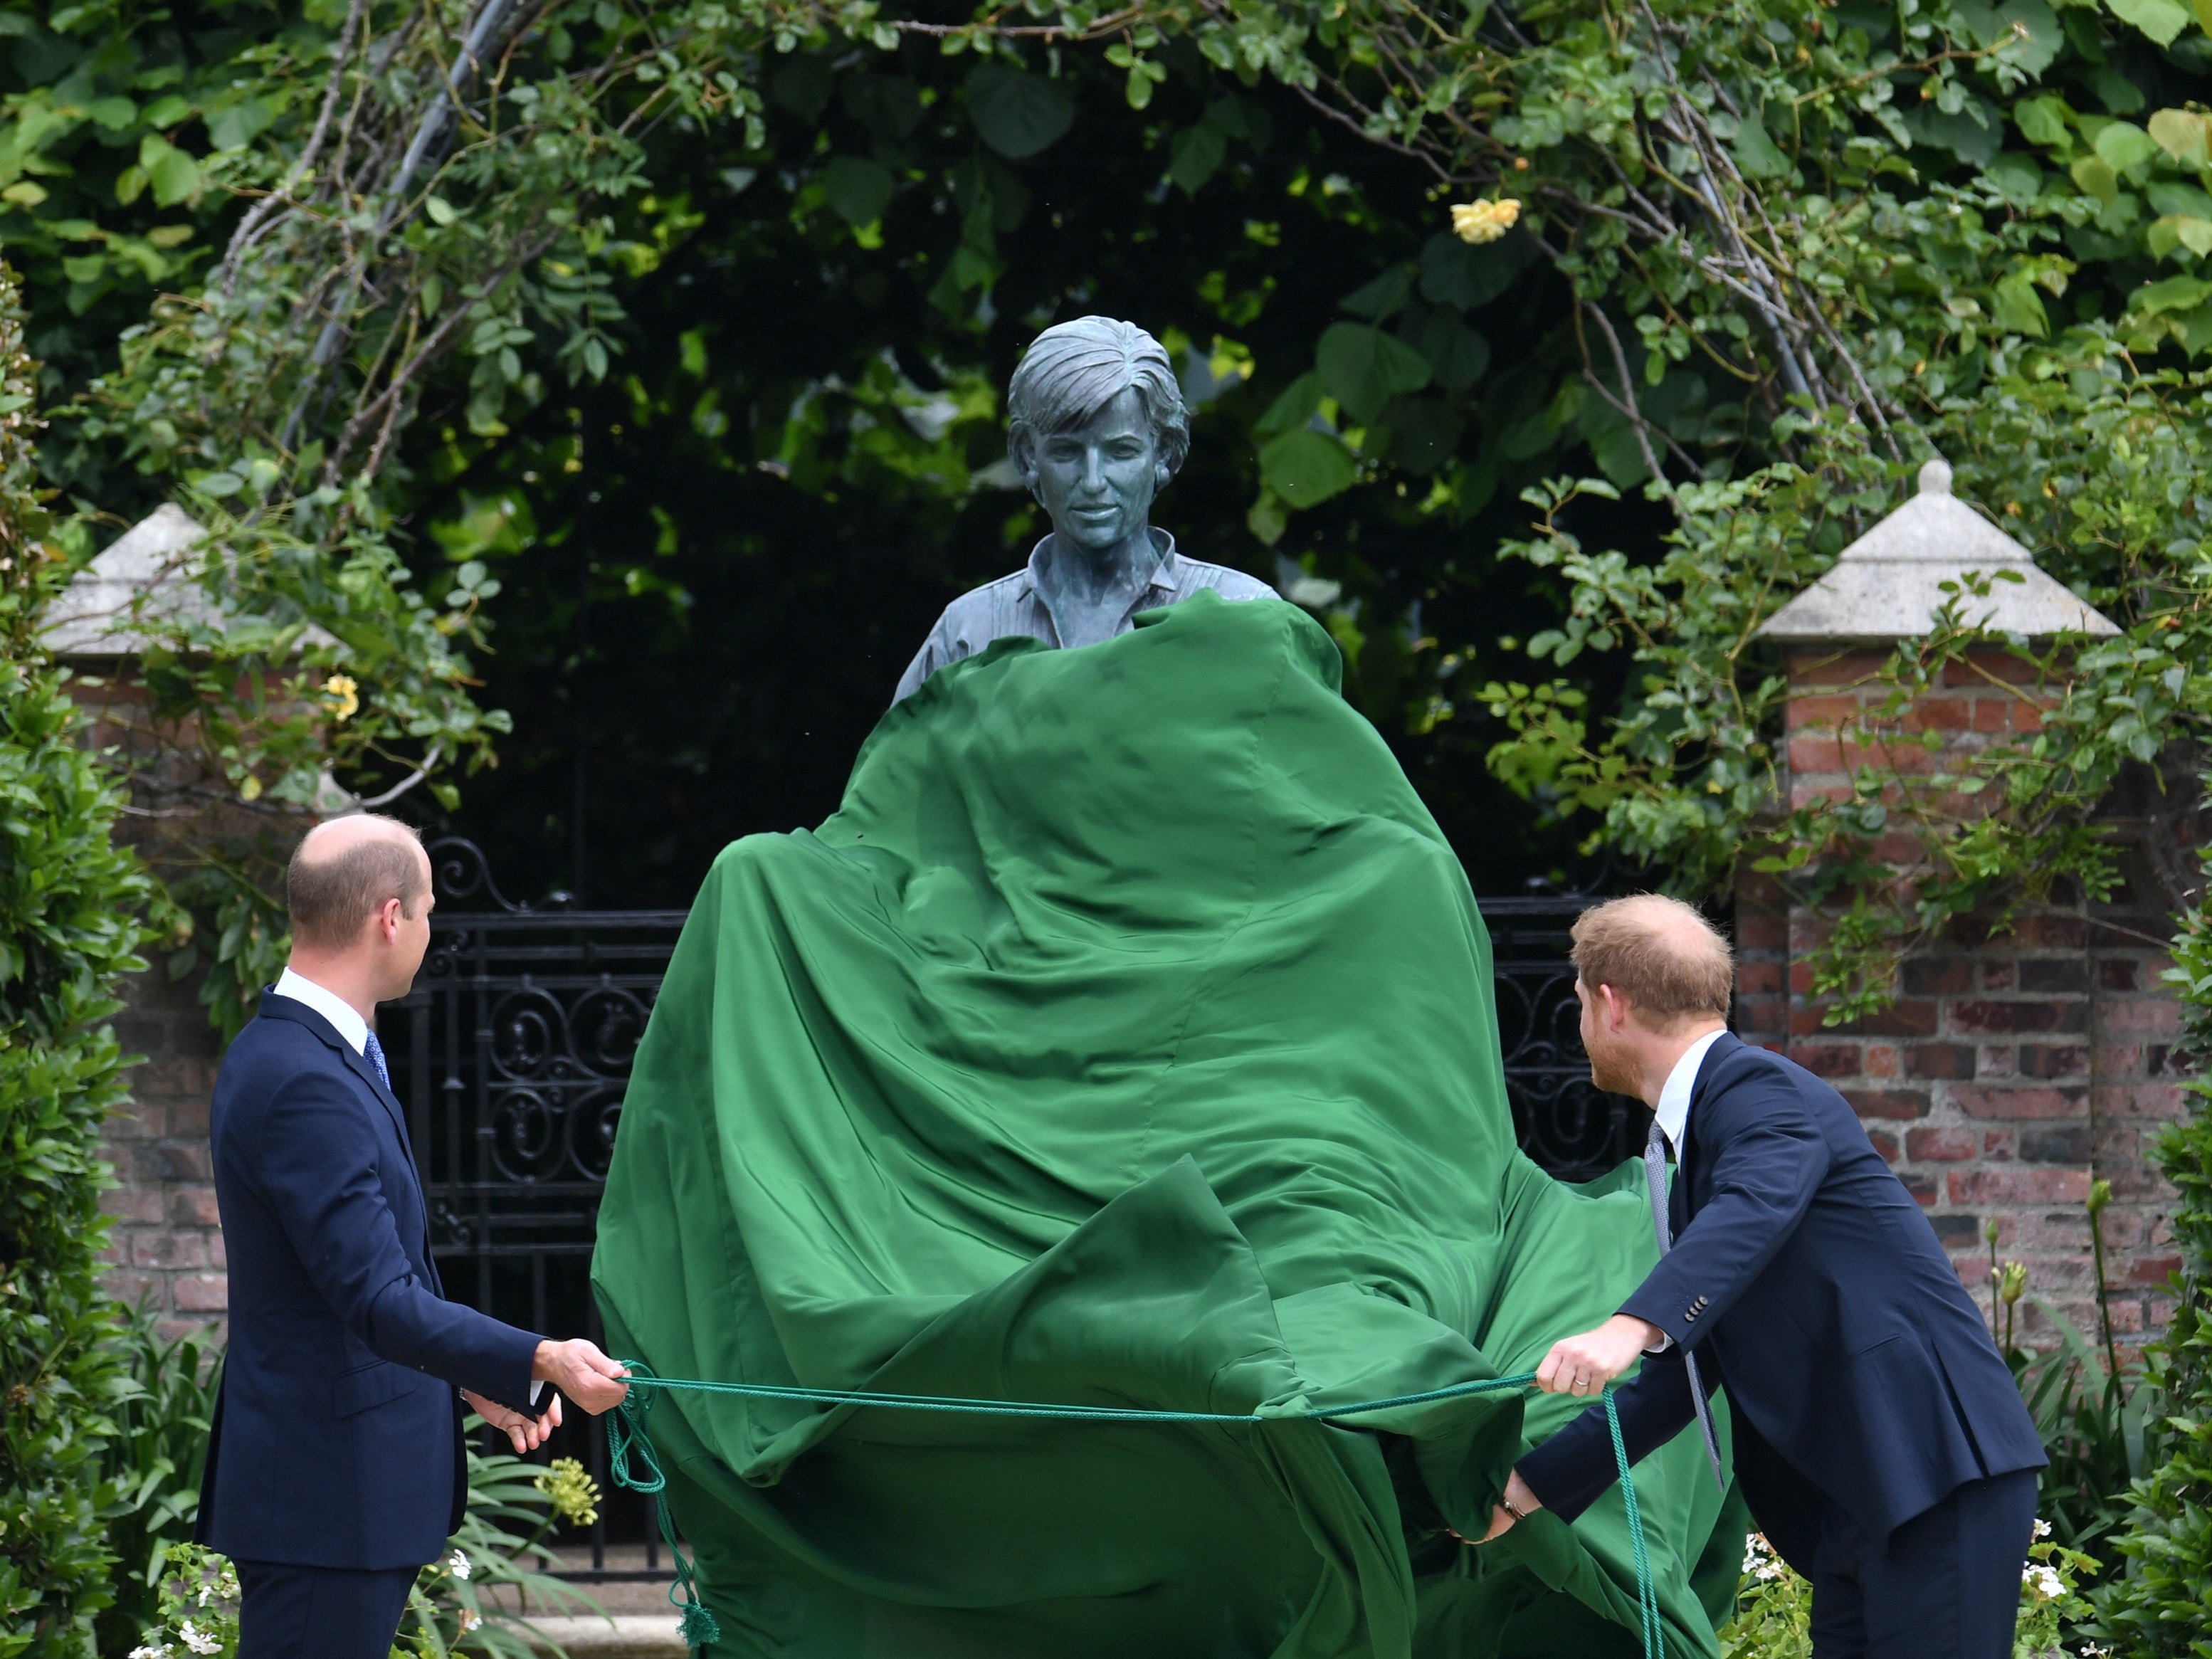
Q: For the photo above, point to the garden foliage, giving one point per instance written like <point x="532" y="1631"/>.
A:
<point x="70" y="901"/>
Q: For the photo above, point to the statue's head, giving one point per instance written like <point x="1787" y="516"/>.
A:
<point x="1096" y="425"/>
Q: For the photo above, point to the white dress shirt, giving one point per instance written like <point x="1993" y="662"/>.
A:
<point x="1673" y="1110"/>
<point x="343" y="1017"/>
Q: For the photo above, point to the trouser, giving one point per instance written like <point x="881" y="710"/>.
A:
<point x="1947" y="1586"/>
<point x="289" y="1611"/>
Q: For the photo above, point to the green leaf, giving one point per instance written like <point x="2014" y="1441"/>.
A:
<point x="1380" y="298"/>
<point x="173" y="174"/>
<point x="2016" y="178"/>
<point x="2044" y="120"/>
<point x="2096" y="178"/>
<point x="1424" y="433"/>
<point x="2019" y="307"/>
<point x="858" y="190"/>
<point x="1019" y="115"/>
<point x="2174" y="294"/>
<point x="1992" y="27"/>
<point x="1293" y="407"/>
<point x="1459" y="355"/>
<point x="1454" y="273"/>
<point x="1363" y="368"/>
<point x="2123" y="145"/>
<point x="2161" y="19"/>
<point x="236" y="125"/>
<point x="888" y="106"/>
<point x="2179" y="230"/>
<point x="1306" y="467"/>
<point x="442" y="211"/>
<point x="2180" y="133"/>
<point x="1196" y="156"/>
<point x="1755" y="153"/>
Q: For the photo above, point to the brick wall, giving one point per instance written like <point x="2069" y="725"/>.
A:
<point x="166" y="1243"/>
<point x="2017" y="1066"/>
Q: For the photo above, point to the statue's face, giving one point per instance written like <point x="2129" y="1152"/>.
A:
<point x="1098" y="480"/>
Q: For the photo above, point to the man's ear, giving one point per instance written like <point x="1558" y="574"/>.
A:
<point x="1616" y="1007"/>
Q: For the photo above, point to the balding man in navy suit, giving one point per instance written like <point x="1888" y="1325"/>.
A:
<point x="335" y="1468"/>
<point x="1878" y="1437"/>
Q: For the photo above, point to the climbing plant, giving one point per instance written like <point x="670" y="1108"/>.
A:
<point x="71" y="904"/>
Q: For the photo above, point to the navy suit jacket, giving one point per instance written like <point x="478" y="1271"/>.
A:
<point x="1809" y="1284"/>
<point x="336" y="1437"/>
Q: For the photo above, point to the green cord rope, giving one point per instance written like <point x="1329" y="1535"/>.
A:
<point x="626" y="1433"/>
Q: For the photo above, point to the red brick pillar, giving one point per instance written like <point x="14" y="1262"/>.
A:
<point x="2015" y="1066"/>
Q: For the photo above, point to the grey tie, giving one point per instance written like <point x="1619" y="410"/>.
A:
<point x="1655" y="1178"/>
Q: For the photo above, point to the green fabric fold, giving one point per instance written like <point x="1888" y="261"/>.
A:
<point x="1126" y="1038"/>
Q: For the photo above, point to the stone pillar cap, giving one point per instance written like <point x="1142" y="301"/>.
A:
<point x="1888" y="584"/>
<point x="90" y="619"/>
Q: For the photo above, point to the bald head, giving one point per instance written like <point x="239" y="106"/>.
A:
<point x="346" y="871"/>
<point x="1666" y="960"/>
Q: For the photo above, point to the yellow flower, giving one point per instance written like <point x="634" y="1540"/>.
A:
<point x="1483" y="221"/>
<point x="574" y="1494"/>
<point x="345" y="695"/>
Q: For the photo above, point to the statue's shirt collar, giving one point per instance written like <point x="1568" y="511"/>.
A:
<point x="1167" y="574"/>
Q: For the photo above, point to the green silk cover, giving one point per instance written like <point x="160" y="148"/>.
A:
<point x="1127" y="1038"/>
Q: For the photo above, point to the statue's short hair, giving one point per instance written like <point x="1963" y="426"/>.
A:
<point x="1072" y="370"/>
<point x="331" y="895"/>
<point x="1669" y="961"/>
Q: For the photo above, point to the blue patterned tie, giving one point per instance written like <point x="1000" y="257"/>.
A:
<point x="374" y="1050"/>
<point x="1655" y="1178"/>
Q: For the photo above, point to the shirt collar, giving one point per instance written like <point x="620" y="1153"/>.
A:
<point x="1673" y="1110"/>
<point x="1167" y="574"/>
<point x="343" y="1017"/>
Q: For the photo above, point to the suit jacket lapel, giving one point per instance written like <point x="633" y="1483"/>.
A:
<point x="299" y="1013"/>
<point x="366" y="1073"/>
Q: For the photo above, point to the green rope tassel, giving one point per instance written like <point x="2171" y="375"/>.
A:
<point x="626" y="1434"/>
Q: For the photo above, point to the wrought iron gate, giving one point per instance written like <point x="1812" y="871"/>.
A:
<point x="513" y="1053"/>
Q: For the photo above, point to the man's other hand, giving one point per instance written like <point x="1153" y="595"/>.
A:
<point x="526" y="1433"/>
<point x="1585" y="1365"/>
<point x="579" y="1370"/>
<point x="1501" y="1518"/>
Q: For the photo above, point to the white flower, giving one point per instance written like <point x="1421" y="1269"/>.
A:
<point x="2043" y="1529"/>
<point x="469" y="1619"/>
<point x="2091" y="1650"/>
<point x="2042" y="1580"/>
<point x="198" y="1640"/>
<point x="151" y="1652"/>
<point x="460" y="1565"/>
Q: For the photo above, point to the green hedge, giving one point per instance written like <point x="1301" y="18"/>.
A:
<point x="71" y="910"/>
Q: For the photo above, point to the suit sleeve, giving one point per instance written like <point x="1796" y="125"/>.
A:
<point x="1768" y="1160"/>
<point x="316" y="1160"/>
<point x="1570" y="1471"/>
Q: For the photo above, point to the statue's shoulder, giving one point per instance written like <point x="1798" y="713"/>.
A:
<point x="1229" y="584"/>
